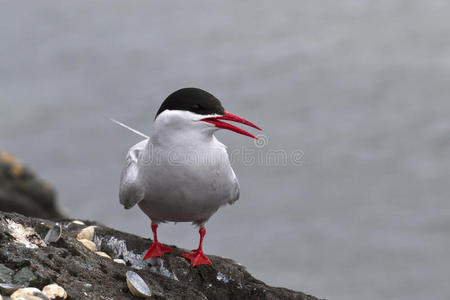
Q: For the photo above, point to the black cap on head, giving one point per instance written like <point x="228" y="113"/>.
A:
<point x="194" y="100"/>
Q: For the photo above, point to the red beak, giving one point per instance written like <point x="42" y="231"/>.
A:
<point x="234" y="118"/>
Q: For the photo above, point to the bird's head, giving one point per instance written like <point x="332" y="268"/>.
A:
<point x="198" y="110"/>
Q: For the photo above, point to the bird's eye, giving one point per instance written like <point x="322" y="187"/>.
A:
<point x="196" y="106"/>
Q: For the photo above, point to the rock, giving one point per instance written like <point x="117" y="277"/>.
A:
<point x="24" y="276"/>
<point x="86" y="275"/>
<point x="21" y="191"/>
<point x="5" y="274"/>
<point x="54" y="292"/>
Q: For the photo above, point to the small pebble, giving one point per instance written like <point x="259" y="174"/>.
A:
<point x="88" y="244"/>
<point x="137" y="285"/>
<point x="86" y="233"/>
<point x="54" y="291"/>
<point x="103" y="254"/>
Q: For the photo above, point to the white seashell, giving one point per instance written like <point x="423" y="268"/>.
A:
<point x="120" y="261"/>
<point x="54" y="291"/>
<point x="88" y="244"/>
<point x="28" y="294"/>
<point x="103" y="254"/>
<point x="86" y="233"/>
<point x="137" y="285"/>
<point x="75" y="225"/>
<point x="78" y="222"/>
<point x="53" y="234"/>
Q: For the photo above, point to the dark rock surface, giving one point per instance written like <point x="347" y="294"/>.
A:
<point x="21" y="191"/>
<point x="26" y="260"/>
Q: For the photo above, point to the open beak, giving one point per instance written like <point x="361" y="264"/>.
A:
<point x="234" y="118"/>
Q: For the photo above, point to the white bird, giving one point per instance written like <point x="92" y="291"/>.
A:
<point x="181" y="172"/>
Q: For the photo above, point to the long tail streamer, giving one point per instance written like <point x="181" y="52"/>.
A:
<point x="130" y="129"/>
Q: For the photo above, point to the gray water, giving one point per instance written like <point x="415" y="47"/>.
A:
<point x="360" y="88"/>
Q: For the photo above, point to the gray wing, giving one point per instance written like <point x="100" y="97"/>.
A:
<point x="131" y="191"/>
<point x="235" y="191"/>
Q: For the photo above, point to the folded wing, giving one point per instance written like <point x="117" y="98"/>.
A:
<point x="131" y="191"/>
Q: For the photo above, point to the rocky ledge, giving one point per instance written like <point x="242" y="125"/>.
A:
<point x="91" y="261"/>
<point x="23" y="192"/>
<point x="27" y="260"/>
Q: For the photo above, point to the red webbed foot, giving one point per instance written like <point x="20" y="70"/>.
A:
<point x="156" y="250"/>
<point x="197" y="258"/>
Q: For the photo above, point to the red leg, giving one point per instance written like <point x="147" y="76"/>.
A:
<point x="156" y="250"/>
<point x="198" y="257"/>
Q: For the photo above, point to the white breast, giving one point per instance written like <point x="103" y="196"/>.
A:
<point x="185" y="184"/>
<point x="182" y="173"/>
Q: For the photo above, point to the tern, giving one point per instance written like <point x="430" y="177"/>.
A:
<point x="181" y="172"/>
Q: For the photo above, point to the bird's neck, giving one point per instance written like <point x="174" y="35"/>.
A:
<point x="173" y="136"/>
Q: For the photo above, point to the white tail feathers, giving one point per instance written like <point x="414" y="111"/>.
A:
<point x="130" y="129"/>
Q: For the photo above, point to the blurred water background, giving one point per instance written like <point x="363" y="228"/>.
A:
<point x="360" y="87"/>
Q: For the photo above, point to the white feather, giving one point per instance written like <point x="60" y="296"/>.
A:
<point x="129" y="128"/>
